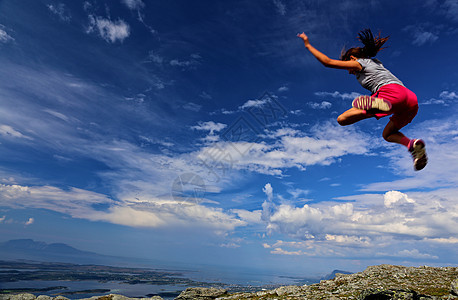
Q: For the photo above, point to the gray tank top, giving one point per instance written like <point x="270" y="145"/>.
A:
<point x="374" y="75"/>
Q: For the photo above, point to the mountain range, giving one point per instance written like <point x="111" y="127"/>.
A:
<point x="28" y="249"/>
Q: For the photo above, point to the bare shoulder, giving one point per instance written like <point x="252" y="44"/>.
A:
<point x="351" y="65"/>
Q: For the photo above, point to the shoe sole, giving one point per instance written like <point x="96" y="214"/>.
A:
<point x="368" y="102"/>
<point x="420" y="163"/>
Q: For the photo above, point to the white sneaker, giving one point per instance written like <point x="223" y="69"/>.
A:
<point x="418" y="151"/>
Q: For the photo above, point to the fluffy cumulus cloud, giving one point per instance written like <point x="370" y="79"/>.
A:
<point x="254" y="103"/>
<point x="210" y="126"/>
<point x="324" y="144"/>
<point x="375" y="224"/>
<point x="445" y="98"/>
<point x="110" y="31"/>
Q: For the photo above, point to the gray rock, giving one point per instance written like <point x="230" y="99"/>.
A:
<point x="117" y="297"/>
<point x="374" y="294"/>
<point x="288" y="290"/>
<point x="454" y="287"/>
<point x="44" y="297"/>
<point x="201" y="293"/>
<point x="24" y="296"/>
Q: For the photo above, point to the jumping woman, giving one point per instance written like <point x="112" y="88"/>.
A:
<point x="389" y="95"/>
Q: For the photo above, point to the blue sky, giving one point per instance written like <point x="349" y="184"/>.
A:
<point x="204" y="132"/>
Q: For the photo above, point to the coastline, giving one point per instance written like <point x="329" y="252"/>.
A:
<point x="376" y="282"/>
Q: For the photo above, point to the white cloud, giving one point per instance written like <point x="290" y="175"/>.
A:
<point x="451" y="9"/>
<point x="297" y="112"/>
<point x="169" y="214"/>
<point x="4" y="36"/>
<point x="57" y="114"/>
<point x="307" y="248"/>
<point x="325" y="144"/>
<point x="110" y="31"/>
<point x="192" y="106"/>
<point x="251" y="217"/>
<point x="267" y="206"/>
<point x="60" y="11"/>
<point x="205" y="95"/>
<point x="448" y="95"/>
<point x="445" y="98"/>
<point x="451" y="240"/>
<point x="411" y="254"/>
<point x="414" y="253"/>
<point x="370" y="223"/>
<point x="281" y="7"/>
<point x="343" y="96"/>
<point x="8" y="131"/>
<point x="348" y="240"/>
<point x="296" y="193"/>
<point x="152" y="140"/>
<point x="253" y="103"/>
<point x="420" y="36"/>
<point x="394" y="197"/>
<point x="268" y="190"/>
<point x="192" y="62"/>
<point x="285" y="252"/>
<point x="231" y="245"/>
<point x="210" y="126"/>
<point x="134" y="4"/>
<point x="72" y="201"/>
<point x="322" y="105"/>
<point x="155" y="58"/>
<point x="138" y="5"/>
<point x="135" y="212"/>
<point x="2" y="219"/>
<point x="283" y="89"/>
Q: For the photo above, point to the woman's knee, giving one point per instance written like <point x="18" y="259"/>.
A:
<point x="342" y="120"/>
<point x="389" y="130"/>
<point x="386" y="135"/>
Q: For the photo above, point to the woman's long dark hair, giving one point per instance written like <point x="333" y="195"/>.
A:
<point x="372" y="45"/>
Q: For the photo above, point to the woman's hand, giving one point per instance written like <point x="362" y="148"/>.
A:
<point x="304" y="37"/>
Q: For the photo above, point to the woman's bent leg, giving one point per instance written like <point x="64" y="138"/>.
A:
<point x="392" y="134"/>
<point x="353" y="115"/>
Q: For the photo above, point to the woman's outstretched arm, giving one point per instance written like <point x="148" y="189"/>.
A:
<point x="351" y="65"/>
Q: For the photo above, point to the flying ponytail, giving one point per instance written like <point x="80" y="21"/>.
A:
<point x="372" y="45"/>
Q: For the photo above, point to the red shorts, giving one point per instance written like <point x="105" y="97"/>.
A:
<point x="404" y="104"/>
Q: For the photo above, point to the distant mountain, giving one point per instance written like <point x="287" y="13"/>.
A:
<point x="333" y="274"/>
<point x="28" y="249"/>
